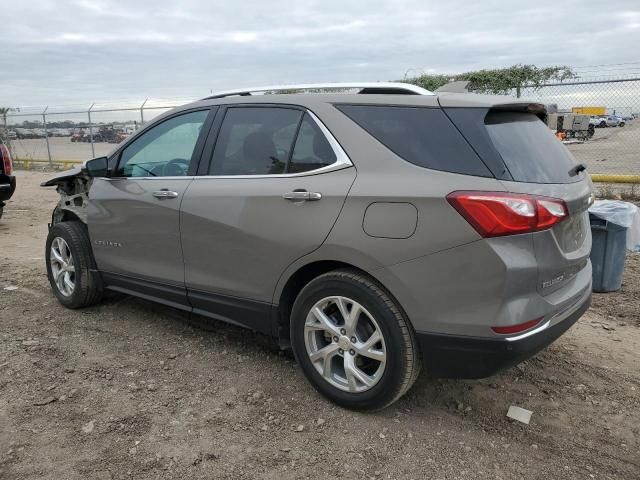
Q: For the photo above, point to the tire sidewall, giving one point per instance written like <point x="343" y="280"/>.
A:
<point x="390" y="383"/>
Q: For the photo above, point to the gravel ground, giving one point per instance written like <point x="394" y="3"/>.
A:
<point x="129" y="389"/>
<point x="612" y="150"/>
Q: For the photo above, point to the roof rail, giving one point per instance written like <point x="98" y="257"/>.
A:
<point x="365" y="87"/>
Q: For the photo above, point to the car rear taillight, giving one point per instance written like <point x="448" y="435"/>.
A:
<point x="494" y="214"/>
<point x="521" y="327"/>
<point x="6" y="159"/>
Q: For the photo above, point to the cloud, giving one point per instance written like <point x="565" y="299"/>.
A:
<point x="71" y="51"/>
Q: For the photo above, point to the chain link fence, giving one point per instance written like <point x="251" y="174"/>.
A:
<point x="608" y="112"/>
<point x="63" y="136"/>
<point x="608" y="144"/>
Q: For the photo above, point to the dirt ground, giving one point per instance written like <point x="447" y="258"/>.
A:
<point x="129" y="389"/>
<point x="612" y="150"/>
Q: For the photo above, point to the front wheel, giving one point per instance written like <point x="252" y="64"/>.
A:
<point x="353" y="342"/>
<point x="70" y="264"/>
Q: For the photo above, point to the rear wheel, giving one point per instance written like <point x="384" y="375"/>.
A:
<point x="353" y="342"/>
<point x="69" y="264"/>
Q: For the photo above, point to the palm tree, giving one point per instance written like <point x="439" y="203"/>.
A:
<point x="3" y="113"/>
<point x="3" y="126"/>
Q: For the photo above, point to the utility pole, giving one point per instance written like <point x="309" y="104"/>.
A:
<point x="46" y="133"/>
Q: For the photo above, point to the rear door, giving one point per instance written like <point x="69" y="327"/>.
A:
<point x="535" y="162"/>
<point x="134" y="220"/>
<point x="271" y="192"/>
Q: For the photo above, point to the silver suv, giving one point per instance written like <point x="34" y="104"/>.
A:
<point x="373" y="230"/>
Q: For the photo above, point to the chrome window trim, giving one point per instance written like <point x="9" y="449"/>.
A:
<point x="342" y="161"/>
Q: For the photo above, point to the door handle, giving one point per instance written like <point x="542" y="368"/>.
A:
<point x="302" y="195"/>
<point x="164" y="193"/>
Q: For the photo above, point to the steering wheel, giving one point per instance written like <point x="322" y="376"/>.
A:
<point x="176" y="167"/>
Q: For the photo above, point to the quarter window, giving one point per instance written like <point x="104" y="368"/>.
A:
<point x="164" y="150"/>
<point x="312" y="149"/>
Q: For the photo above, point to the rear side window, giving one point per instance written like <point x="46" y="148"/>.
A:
<point x="529" y="149"/>
<point x="422" y="136"/>
<point x="255" y="141"/>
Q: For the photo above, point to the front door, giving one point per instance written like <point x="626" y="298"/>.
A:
<point x="274" y="187"/>
<point x="134" y="216"/>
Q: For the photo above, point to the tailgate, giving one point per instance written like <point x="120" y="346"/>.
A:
<point x="562" y="251"/>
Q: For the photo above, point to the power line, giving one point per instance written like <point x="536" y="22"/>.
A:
<point x="608" y="70"/>
<point x="608" y="65"/>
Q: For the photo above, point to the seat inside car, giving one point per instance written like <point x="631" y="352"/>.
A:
<point x="259" y="154"/>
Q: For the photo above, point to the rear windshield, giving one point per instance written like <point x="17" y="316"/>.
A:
<point x="528" y="148"/>
<point x="422" y="136"/>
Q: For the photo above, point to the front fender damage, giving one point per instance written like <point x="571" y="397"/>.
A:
<point x="73" y="188"/>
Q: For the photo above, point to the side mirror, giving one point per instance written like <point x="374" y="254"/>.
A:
<point x="97" y="167"/>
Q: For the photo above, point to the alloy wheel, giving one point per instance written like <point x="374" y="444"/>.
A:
<point x="345" y="344"/>
<point x="62" y="267"/>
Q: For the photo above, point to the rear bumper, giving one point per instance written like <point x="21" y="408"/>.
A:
<point x="453" y="356"/>
<point x="7" y="186"/>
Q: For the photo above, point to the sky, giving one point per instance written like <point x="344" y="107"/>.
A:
<point x="74" y="52"/>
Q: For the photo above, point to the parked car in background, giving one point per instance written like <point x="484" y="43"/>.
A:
<point x="59" y="132"/>
<point x="607" y="121"/>
<point x="371" y="232"/>
<point x="24" y="133"/>
<point x="620" y="120"/>
<point x="7" y="179"/>
<point x="78" y="135"/>
<point x="39" y="133"/>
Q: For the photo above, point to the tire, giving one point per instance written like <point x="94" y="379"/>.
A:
<point x="393" y="376"/>
<point x="71" y="239"/>
<point x="621" y="124"/>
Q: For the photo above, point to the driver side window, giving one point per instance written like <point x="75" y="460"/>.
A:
<point x="165" y="150"/>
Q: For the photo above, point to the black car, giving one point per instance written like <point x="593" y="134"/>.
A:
<point x="7" y="180"/>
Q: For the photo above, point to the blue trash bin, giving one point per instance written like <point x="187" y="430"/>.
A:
<point x="607" y="254"/>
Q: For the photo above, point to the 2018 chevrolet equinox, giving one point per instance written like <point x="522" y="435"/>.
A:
<point x="374" y="230"/>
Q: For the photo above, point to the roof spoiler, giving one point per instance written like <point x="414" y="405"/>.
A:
<point x="454" y="87"/>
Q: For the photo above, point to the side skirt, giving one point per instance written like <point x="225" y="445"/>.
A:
<point x="169" y="295"/>
<point x="250" y="314"/>
<point x="237" y="311"/>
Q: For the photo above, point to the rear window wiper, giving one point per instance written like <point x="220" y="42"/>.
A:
<point x="581" y="167"/>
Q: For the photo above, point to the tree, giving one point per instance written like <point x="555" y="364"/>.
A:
<point x="3" y="113"/>
<point x="4" y="135"/>
<point x="498" y="80"/>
